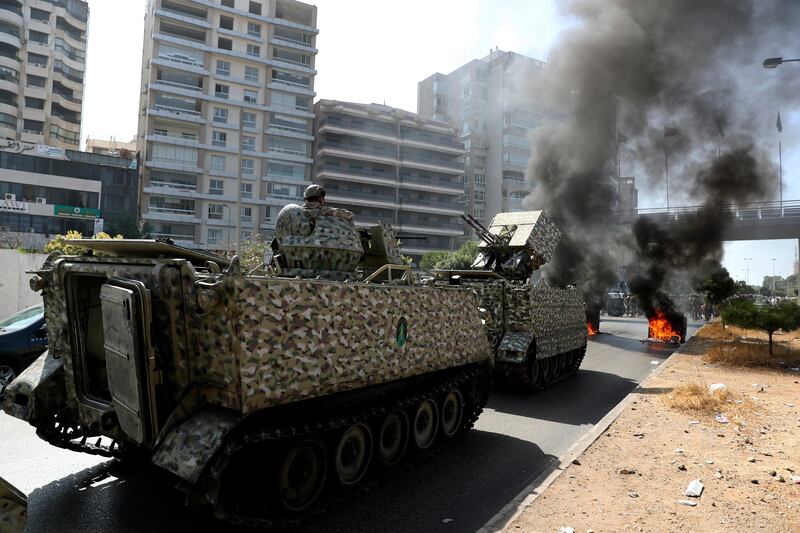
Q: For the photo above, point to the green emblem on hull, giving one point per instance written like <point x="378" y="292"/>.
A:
<point x="402" y="332"/>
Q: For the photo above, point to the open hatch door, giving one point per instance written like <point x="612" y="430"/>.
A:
<point x="129" y="356"/>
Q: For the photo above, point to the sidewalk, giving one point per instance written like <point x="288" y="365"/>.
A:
<point x="634" y="476"/>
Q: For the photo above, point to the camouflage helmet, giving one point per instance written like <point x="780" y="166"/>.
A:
<point x="314" y="191"/>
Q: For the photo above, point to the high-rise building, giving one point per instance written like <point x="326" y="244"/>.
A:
<point x="390" y="165"/>
<point x="42" y="65"/>
<point x="491" y="102"/>
<point x="225" y="125"/>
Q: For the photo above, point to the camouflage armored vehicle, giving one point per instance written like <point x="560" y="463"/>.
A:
<point x="538" y="332"/>
<point x="268" y="396"/>
<point x="13" y="508"/>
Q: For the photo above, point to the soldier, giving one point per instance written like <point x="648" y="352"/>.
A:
<point x="300" y="221"/>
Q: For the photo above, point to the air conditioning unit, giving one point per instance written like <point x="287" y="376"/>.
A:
<point x="41" y="200"/>
<point x="11" y="197"/>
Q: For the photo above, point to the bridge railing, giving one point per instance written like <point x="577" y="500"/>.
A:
<point x="751" y="211"/>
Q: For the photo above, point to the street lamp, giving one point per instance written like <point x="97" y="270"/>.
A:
<point x="747" y="263"/>
<point x="773" y="62"/>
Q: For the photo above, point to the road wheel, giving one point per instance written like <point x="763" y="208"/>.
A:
<point x="302" y="474"/>
<point x="7" y="374"/>
<point x="424" y="423"/>
<point x="452" y="411"/>
<point x="534" y="372"/>
<point x="393" y="437"/>
<point x="547" y="370"/>
<point x="353" y="454"/>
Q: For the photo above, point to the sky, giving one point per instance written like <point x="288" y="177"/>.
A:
<point x="377" y="51"/>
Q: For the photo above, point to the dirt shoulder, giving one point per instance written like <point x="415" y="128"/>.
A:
<point x="634" y="475"/>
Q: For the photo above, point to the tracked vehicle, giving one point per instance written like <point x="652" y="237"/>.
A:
<point x="270" y="397"/>
<point x="538" y="333"/>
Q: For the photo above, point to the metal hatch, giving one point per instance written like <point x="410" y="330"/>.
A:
<point x="126" y="334"/>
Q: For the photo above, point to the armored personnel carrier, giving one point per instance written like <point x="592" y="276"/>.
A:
<point x="538" y="333"/>
<point x="270" y="397"/>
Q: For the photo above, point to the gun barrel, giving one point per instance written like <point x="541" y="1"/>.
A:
<point x="482" y="232"/>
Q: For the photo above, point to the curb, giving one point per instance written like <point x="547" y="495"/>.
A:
<point x="528" y="495"/>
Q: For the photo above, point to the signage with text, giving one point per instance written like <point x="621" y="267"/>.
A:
<point x="75" y="212"/>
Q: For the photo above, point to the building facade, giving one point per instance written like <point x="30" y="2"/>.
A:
<point x="42" y="66"/>
<point x="491" y="102"/>
<point x="226" y="118"/>
<point x="110" y="146"/>
<point x="390" y="165"/>
<point x="48" y="190"/>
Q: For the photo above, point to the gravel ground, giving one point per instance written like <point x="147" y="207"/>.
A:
<point x="634" y="476"/>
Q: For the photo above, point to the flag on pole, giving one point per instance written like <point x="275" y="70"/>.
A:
<point x="671" y="132"/>
<point x="778" y="124"/>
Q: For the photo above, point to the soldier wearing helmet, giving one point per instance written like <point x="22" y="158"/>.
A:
<point x="300" y="221"/>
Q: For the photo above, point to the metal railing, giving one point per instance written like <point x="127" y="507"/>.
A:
<point x="180" y="85"/>
<point x="172" y="185"/>
<point x="177" y="110"/>
<point x="751" y="211"/>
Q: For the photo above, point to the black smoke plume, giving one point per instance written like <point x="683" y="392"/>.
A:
<point x="644" y="81"/>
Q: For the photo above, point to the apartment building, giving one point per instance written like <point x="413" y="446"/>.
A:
<point x="49" y="190"/>
<point x="42" y="65"/>
<point x="110" y="146"/>
<point x="226" y="117"/>
<point x="390" y="165"/>
<point x="492" y="103"/>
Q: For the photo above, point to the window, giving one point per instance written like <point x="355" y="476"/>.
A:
<point x="248" y="143"/>
<point x="34" y="103"/>
<point x="214" y="235"/>
<point x="189" y="136"/>
<point x="40" y="15"/>
<point x="251" y="73"/>
<point x="37" y="59"/>
<point x="174" y="154"/>
<point x="218" y="163"/>
<point x="248" y="119"/>
<point x="215" y="211"/>
<point x="228" y="3"/>
<point x="219" y="138"/>
<point x="220" y="115"/>
<point x="35" y="81"/>
<point x="248" y="167"/>
<point x="160" y="132"/>
<point x="226" y="23"/>
<point x="247" y="190"/>
<point x="251" y="97"/>
<point x="466" y="93"/>
<point x="253" y="50"/>
<point x="284" y="170"/>
<point x="33" y="126"/>
<point x="38" y="37"/>
<point x="221" y="91"/>
<point x="254" y="29"/>
<point x="224" y="44"/>
<point x="216" y="187"/>
<point x="247" y="212"/>
<point x="223" y="68"/>
<point x="255" y="8"/>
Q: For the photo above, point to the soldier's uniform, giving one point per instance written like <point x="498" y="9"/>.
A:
<point x="300" y="221"/>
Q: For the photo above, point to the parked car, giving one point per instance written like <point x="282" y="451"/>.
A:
<point x="23" y="337"/>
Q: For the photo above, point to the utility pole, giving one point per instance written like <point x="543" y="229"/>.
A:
<point x="747" y="263"/>
<point x="773" y="276"/>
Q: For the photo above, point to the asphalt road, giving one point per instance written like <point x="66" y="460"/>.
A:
<point x="517" y="437"/>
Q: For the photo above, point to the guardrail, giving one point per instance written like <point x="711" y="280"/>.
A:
<point x="752" y="211"/>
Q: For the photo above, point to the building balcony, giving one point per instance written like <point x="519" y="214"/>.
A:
<point x="344" y="175"/>
<point x="344" y="197"/>
<point x="235" y="79"/>
<point x="185" y="88"/>
<point x="347" y="152"/>
<point x="289" y="65"/>
<point x="183" y="17"/>
<point x="11" y="15"/>
<point x="183" y="187"/>
<point x="164" y="214"/>
<point x="184" y="65"/>
<point x="433" y="166"/>
<point x="9" y="84"/>
<point x="174" y="140"/>
<point x="174" y="165"/>
<point x="11" y="39"/>
<point x="367" y="132"/>
<point x="424" y="184"/>
<point x="431" y="206"/>
<point x="451" y="148"/>
<point x="294" y="45"/>
<point x="287" y="155"/>
<point x="283" y="178"/>
<point x="283" y="131"/>
<point x="176" y="113"/>
<point x="295" y="88"/>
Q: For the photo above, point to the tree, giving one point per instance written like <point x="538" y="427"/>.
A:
<point x="129" y="226"/>
<point x="769" y="318"/>
<point x="59" y="244"/>
<point x="460" y="259"/>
